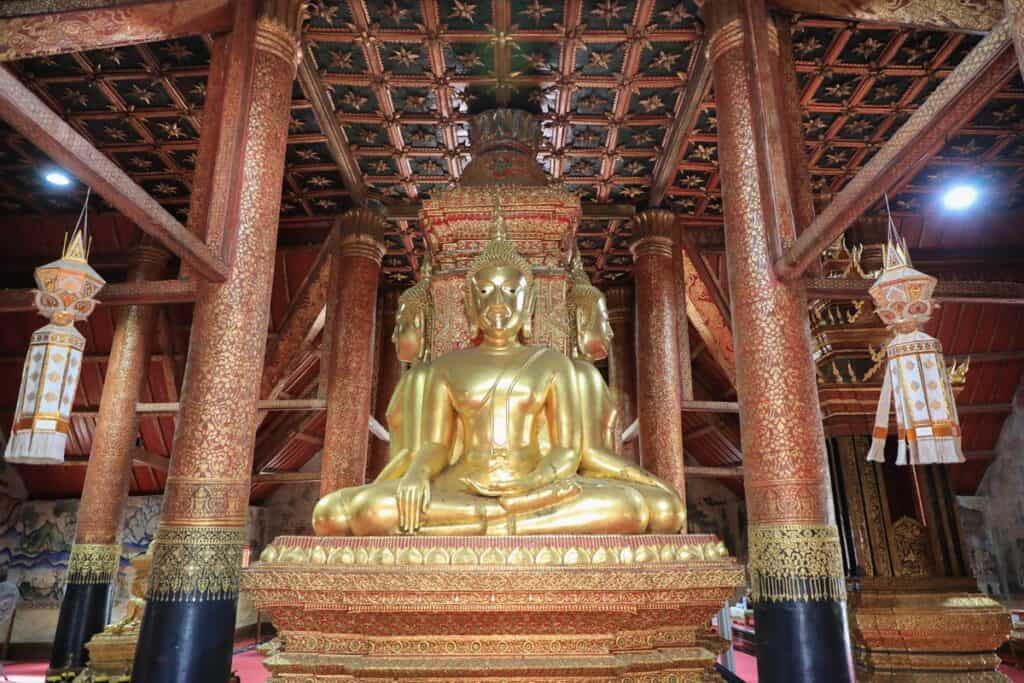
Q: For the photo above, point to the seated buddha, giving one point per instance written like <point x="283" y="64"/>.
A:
<point x="477" y="465"/>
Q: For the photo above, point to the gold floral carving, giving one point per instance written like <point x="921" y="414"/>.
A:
<point x="796" y="562"/>
<point x="378" y="552"/>
<point x="93" y="563"/>
<point x="196" y="562"/>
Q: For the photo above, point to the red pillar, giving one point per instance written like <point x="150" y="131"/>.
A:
<point x="354" y="277"/>
<point x="659" y="400"/>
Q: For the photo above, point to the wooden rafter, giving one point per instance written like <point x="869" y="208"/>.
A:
<point x="950" y="291"/>
<point x="33" y="28"/>
<point x="114" y="294"/>
<point x="923" y="14"/>
<point x="988" y="67"/>
<point x="30" y="116"/>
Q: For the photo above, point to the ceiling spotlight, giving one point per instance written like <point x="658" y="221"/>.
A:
<point x="58" y="178"/>
<point x="960" y="197"/>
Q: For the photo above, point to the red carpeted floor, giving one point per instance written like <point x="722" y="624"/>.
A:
<point x="249" y="665"/>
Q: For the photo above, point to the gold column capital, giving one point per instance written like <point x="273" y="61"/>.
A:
<point x="279" y="28"/>
<point x="361" y="233"/>
<point x="620" y="300"/>
<point x="150" y="258"/>
<point x="654" y="232"/>
<point x="724" y="31"/>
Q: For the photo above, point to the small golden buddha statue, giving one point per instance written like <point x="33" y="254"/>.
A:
<point x="478" y="466"/>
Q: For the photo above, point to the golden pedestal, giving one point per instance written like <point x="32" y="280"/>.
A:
<point x="523" y="608"/>
<point x="112" y="654"/>
<point x="926" y="629"/>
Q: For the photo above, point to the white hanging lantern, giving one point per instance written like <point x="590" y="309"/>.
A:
<point x="54" y="361"/>
<point x="916" y="378"/>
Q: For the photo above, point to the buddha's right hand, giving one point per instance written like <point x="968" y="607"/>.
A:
<point x="413" y="497"/>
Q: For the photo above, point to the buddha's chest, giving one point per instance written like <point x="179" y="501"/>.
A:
<point x="506" y="388"/>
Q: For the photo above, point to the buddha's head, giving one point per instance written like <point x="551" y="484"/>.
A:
<point x="588" y="315"/>
<point x="499" y="288"/>
<point x="413" y="319"/>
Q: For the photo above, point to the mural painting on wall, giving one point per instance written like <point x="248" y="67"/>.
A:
<point x="994" y="527"/>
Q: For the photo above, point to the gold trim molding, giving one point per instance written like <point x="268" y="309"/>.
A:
<point x="796" y="562"/>
<point x="190" y="563"/>
<point x="93" y="563"/>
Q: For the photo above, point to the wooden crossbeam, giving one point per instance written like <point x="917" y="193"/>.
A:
<point x="983" y="72"/>
<point x="34" y="28"/>
<point x="114" y="294"/>
<point x="323" y="110"/>
<point x="951" y="291"/>
<point x="697" y="83"/>
<point x="302" y="478"/>
<point x="30" y="116"/>
<point x="701" y="472"/>
<point x="948" y="15"/>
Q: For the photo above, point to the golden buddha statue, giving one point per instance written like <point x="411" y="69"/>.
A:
<point x="480" y="464"/>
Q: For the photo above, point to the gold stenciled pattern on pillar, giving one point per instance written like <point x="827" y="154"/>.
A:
<point x="796" y="562"/>
<point x="197" y="562"/>
<point x="93" y="563"/>
<point x="202" y="525"/>
<point x="783" y="441"/>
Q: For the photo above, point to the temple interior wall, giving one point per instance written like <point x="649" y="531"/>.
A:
<point x="35" y="541"/>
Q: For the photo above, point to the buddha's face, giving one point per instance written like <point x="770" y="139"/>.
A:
<point x="500" y="297"/>
<point x="408" y="334"/>
<point x="594" y="332"/>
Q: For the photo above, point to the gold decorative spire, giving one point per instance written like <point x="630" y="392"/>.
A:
<point x="419" y="294"/>
<point x="895" y="252"/>
<point x="582" y="288"/>
<point x="75" y="248"/>
<point x="500" y="251"/>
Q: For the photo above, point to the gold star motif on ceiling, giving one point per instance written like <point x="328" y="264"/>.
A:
<point x="354" y="100"/>
<point x="916" y="54"/>
<point x="856" y="127"/>
<point x="368" y="137"/>
<point x="395" y="12"/>
<point x="537" y="61"/>
<point x="536" y="11"/>
<point x="592" y="101"/>
<point x="868" y="48"/>
<point x="652" y="103"/>
<point x="805" y="47"/>
<point x="691" y="180"/>
<point x="469" y="60"/>
<point x="307" y="154"/>
<point x="888" y="91"/>
<point x="75" y="97"/>
<point x="840" y="90"/>
<point x="141" y="163"/>
<point x="416" y="102"/>
<point x="326" y="203"/>
<point x="969" y="148"/>
<point x="144" y="95"/>
<point x="837" y="157"/>
<point x="430" y="167"/>
<point x="588" y="137"/>
<point x="600" y="60"/>
<point x="114" y="57"/>
<point x="463" y="10"/>
<point x="643" y="138"/>
<point x="631" y="191"/>
<point x="341" y="61"/>
<point x="608" y="10"/>
<point x="295" y="125"/>
<point x="190" y="159"/>
<point x="634" y="167"/>
<point x="172" y="131"/>
<point x="198" y="91"/>
<point x="380" y="167"/>
<point x="703" y="152"/>
<point x="665" y="60"/>
<point x="319" y="182"/>
<point x="1005" y="115"/>
<point x="405" y="56"/>
<point x="115" y="134"/>
<point x="675" y="14"/>
<point x="178" y="51"/>
<point x="165" y="189"/>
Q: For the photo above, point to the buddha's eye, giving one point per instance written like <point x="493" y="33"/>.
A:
<point x="510" y="289"/>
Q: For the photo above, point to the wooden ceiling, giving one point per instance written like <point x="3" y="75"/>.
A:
<point x="607" y="77"/>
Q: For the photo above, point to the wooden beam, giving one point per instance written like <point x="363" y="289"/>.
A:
<point x="984" y="409"/>
<point x="337" y="143"/>
<point x="114" y="294"/>
<point x="701" y="472"/>
<point x="301" y="324"/>
<point x="950" y="291"/>
<point x="286" y="478"/>
<point x="711" y="407"/>
<point x="168" y="408"/>
<point x="30" y="116"/>
<point x="154" y="460"/>
<point x="410" y="211"/>
<point x="698" y="80"/>
<point x="947" y="15"/>
<point x="33" y="28"/>
<point x="983" y="72"/>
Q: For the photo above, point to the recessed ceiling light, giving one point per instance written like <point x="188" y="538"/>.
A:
<point x="960" y="197"/>
<point x="59" y="178"/>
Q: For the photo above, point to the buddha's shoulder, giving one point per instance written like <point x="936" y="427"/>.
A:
<point x="547" y="354"/>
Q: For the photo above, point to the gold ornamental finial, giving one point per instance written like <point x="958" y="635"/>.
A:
<point x="895" y="253"/>
<point x="500" y="251"/>
<point x="75" y="248"/>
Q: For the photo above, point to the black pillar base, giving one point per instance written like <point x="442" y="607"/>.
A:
<point x="186" y="642"/>
<point x="803" y="642"/>
<point x="83" y="614"/>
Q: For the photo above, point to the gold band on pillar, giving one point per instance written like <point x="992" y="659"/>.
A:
<point x="278" y="28"/>
<point x="796" y="562"/>
<point x="93" y="563"/>
<point x="196" y="562"/>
